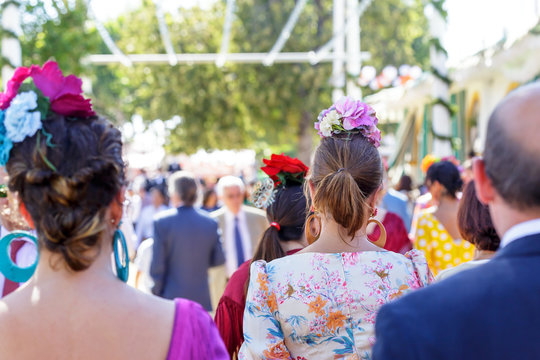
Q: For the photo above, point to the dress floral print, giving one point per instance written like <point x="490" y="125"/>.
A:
<point x="314" y="305"/>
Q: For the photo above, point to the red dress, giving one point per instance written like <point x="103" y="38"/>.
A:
<point x="230" y="311"/>
<point x="397" y="238"/>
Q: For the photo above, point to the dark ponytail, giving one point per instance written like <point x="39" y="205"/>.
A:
<point x="288" y="211"/>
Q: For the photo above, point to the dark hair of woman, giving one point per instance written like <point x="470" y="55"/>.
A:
<point x="289" y="210"/>
<point x="207" y="196"/>
<point x="346" y="171"/>
<point x="404" y="183"/>
<point x="68" y="206"/>
<point x="474" y="221"/>
<point x="446" y="174"/>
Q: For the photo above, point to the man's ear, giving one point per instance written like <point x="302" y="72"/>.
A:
<point x="485" y="192"/>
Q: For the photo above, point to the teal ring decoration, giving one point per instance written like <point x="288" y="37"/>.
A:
<point x="7" y="267"/>
<point x="122" y="270"/>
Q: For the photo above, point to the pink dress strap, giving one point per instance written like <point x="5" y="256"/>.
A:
<point x="194" y="335"/>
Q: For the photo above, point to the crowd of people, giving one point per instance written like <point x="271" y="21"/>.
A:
<point x="328" y="261"/>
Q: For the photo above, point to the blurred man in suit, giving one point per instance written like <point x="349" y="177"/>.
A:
<point x="491" y="311"/>
<point x="186" y="245"/>
<point x="241" y="228"/>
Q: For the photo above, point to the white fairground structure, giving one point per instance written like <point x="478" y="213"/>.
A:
<point x="478" y="84"/>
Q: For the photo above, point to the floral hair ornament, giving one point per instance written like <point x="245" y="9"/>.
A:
<point x="283" y="171"/>
<point x="349" y="116"/>
<point x="30" y="95"/>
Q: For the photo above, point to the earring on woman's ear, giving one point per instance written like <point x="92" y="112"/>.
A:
<point x="382" y="238"/>
<point x="7" y="267"/>
<point x="122" y="266"/>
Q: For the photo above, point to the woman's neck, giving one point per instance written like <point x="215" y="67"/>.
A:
<point x="52" y="266"/>
<point x="447" y="202"/>
<point x="293" y="245"/>
<point x="483" y="254"/>
<point x="334" y="239"/>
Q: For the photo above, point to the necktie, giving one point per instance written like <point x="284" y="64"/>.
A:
<point x="10" y="286"/>
<point x="238" y="243"/>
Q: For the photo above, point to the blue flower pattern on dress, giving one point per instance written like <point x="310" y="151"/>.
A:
<point x="19" y="119"/>
<point x="314" y="306"/>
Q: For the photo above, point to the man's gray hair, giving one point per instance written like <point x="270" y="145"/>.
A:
<point x="227" y="182"/>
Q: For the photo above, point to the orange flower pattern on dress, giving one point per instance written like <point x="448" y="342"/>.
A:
<point x="262" y="279"/>
<point x="277" y="351"/>
<point x="323" y="306"/>
<point x="317" y="306"/>
<point x="335" y="320"/>
<point x="272" y="302"/>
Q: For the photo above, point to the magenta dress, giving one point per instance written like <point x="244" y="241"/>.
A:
<point x="195" y="335"/>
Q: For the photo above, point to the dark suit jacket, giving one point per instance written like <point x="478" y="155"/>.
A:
<point x="489" y="312"/>
<point x="186" y="244"/>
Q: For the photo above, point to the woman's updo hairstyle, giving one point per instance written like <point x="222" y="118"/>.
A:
<point x="346" y="171"/>
<point x="68" y="206"/>
<point x="289" y="210"/>
<point x="447" y="174"/>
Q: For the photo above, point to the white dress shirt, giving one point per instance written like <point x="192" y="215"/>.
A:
<point x="520" y="230"/>
<point x="231" y="260"/>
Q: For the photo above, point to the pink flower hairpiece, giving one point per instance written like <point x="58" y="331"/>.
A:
<point x="24" y="105"/>
<point x="349" y="116"/>
<point x="63" y="92"/>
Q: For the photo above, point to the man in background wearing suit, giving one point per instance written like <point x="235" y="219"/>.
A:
<point x="241" y="228"/>
<point x="186" y="245"/>
<point x="492" y="311"/>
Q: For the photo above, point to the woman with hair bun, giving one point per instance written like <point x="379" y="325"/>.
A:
<point x="437" y="233"/>
<point x="65" y="165"/>
<point x="283" y="198"/>
<point x="322" y="301"/>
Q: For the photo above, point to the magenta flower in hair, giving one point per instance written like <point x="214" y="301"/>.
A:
<point x="349" y="116"/>
<point x="28" y="98"/>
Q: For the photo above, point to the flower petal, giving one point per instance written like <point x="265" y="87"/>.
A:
<point x="48" y="79"/>
<point x="73" y="105"/>
<point x="12" y="86"/>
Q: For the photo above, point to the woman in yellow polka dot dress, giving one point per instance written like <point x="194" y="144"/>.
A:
<point x="436" y="231"/>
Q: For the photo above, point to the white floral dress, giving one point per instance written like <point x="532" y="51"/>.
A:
<point x="323" y="306"/>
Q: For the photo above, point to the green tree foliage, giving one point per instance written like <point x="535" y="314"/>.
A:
<point x="58" y="30"/>
<point x="238" y="105"/>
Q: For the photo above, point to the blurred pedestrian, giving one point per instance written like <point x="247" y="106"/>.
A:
<point x="186" y="245"/>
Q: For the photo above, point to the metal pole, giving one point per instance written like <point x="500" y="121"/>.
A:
<point x="165" y="35"/>
<point x="353" y="50"/>
<point x="11" y="47"/>
<point x="285" y="32"/>
<point x="208" y="58"/>
<point x="338" y="65"/>
<point x="106" y="37"/>
<point x="227" y="25"/>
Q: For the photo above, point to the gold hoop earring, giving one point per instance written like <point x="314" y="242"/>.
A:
<point x="309" y="236"/>
<point x="381" y="241"/>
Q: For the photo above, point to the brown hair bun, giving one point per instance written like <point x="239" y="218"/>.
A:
<point x="68" y="205"/>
